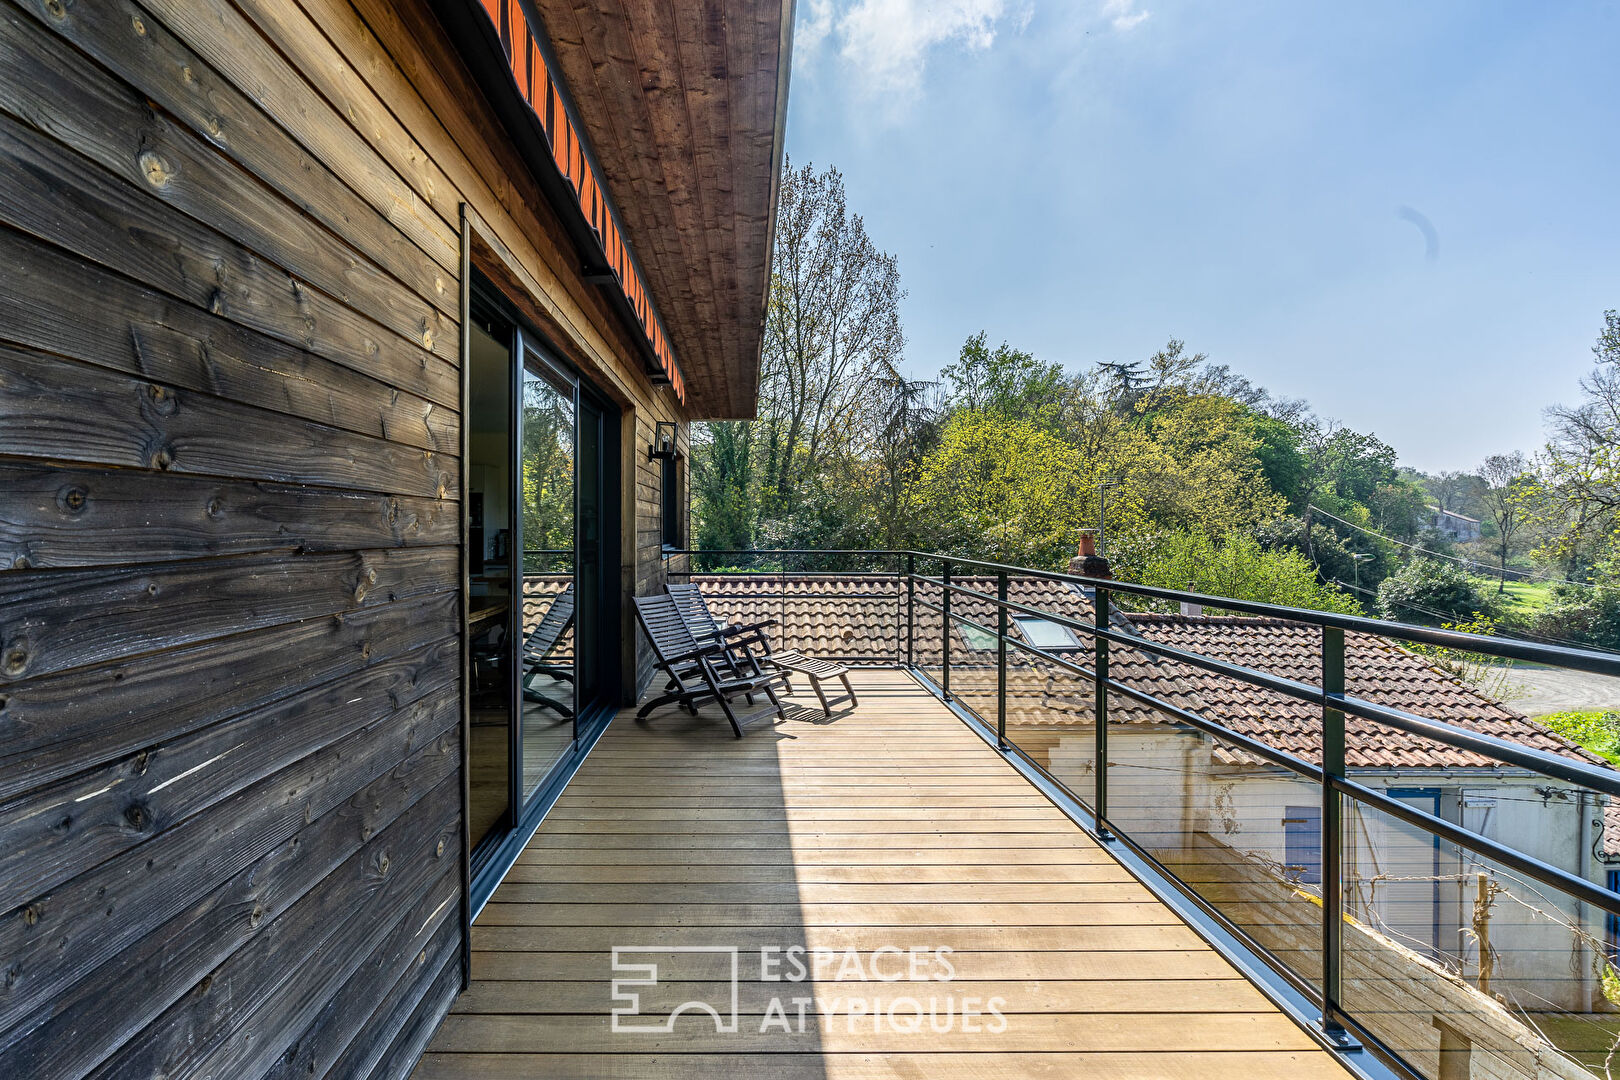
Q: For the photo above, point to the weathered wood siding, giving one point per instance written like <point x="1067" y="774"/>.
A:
<point x="230" y="750"/>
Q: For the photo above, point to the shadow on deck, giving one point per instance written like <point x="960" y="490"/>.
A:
<point x="887" y="842"/>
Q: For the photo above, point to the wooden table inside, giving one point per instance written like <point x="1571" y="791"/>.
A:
<point x="891" y="827"/>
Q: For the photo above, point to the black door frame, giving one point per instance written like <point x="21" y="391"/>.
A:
<point x="492" y="856"/>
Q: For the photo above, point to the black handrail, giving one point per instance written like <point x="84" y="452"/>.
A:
<point x="1599" y="778"/>
<point x="1505" y="648"/>
<point x="1330" y="696"/>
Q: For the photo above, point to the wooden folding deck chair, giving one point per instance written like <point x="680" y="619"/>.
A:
<point x="739" y="643"/>
<point x="693" y="667"/>
<point x="538" y="645"/>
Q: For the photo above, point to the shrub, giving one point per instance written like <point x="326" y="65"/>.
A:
<point x="1588" y="614"/>
<point x="1236" y="566"/>
<point x="1430" y="590"/>
<point x="1598" y="731"/>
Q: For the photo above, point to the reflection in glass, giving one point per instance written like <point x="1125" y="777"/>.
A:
<point x="1460" y="964"/>
<point x="549" y="595"/>
<point x="489" y="583"/>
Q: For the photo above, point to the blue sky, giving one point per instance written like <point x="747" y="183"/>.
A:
<point x="1087" y="178"/>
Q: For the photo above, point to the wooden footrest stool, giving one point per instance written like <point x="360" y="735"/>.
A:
<point x="815" y="670"/>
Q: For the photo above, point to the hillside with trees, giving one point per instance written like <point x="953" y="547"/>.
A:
<point x="1210" y="482"/>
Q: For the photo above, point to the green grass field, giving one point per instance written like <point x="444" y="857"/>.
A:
<point x="1523" y="598"/>
<point x="1596" y="729"/>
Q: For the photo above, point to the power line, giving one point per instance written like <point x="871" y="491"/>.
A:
<point x="1447" y="616"/>
<point x="1512" y="632"/>
<point x="1465" y="563"/>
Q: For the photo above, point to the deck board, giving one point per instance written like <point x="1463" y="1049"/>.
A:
<point x="890" y="826"/>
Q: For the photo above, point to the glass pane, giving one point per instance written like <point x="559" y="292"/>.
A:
<point x="1046" y="635"/>
<point x="549" y="595"/>
<point x="1049" y="718"/>
<point x="1242" y="833"/>
<point x="977" y="640"/>
<point x="1464" y="967"/>
<point x="489" y="581"/>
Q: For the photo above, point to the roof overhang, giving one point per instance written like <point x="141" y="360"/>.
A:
<point x="656" y="131"/>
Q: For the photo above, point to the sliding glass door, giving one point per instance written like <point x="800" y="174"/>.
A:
<point x="492" y="669"/>
<point x="541" y="475"/>
<point x="551" y="607"/>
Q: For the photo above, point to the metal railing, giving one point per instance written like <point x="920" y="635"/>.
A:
<point x="1333" y="781"/>
<point x="781" y="566"/>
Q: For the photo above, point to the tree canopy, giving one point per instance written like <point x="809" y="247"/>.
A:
<point x="1008" y="455"/>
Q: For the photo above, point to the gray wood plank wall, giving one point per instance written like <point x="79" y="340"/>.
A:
<point x="230" y="757"/>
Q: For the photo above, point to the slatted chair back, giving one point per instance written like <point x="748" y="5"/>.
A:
<point x="551" y="627"/>
<point x="665" y="627"/>
<point x="694" y="609"/>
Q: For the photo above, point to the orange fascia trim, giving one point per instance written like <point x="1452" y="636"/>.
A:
<point x="525" y="60"/>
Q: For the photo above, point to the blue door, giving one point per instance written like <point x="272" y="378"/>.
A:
<point x="1302" y="844"/>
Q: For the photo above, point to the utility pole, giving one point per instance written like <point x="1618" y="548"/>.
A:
<point x="1356" y="561"/>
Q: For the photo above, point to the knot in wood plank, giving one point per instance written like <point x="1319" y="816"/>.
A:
<point x="155" y="168"/>
<point x="164" y="401"/>
<point x="72" y="499"/>
<point x="14" y="660"/>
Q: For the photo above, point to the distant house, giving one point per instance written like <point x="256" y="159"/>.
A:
<point x="1453" y="526"/>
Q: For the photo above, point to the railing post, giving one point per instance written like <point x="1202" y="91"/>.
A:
<point x="1099" y="620"/>
<point x="1332" y="831"/>
<point x="1001" y="660"/>
<point x="945" y="628"/>
<point x="911" y="610"/>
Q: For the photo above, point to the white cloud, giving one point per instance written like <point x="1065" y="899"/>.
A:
<point x="885" y="44"/>
<point x="813" y="26"/>
<point x="1121" y="14"/>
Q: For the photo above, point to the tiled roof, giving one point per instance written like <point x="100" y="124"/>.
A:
<point x="539" y="590"/>
<point x="861" y="617"/>
<point x="1375" y="670"/>
<point x="848" y="617"/>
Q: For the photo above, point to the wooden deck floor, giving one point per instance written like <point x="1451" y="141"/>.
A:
<point x="890" y="827"/>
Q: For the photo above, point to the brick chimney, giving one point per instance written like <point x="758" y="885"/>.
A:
<point x="1086" y="561"/>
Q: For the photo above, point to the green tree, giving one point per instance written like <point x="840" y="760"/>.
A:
<point x="1236" y="565"/>
<point x="1005" y="381"/>
<point x="723" y="486"/>
<point x="1005" y="488"/>
<point x="1194" y="464"/>
<point x="1345" y="467"/>
<point x="1281" y="459"/>
<point x="832" y="326"/>
<point x="1582" y="462"/>
<point x="547" y="468"/>
<point x="1509" y="490"/>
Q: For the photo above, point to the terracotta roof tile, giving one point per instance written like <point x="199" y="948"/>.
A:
<point x="1375" y="669"/>
<point x="860" y="618"/>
